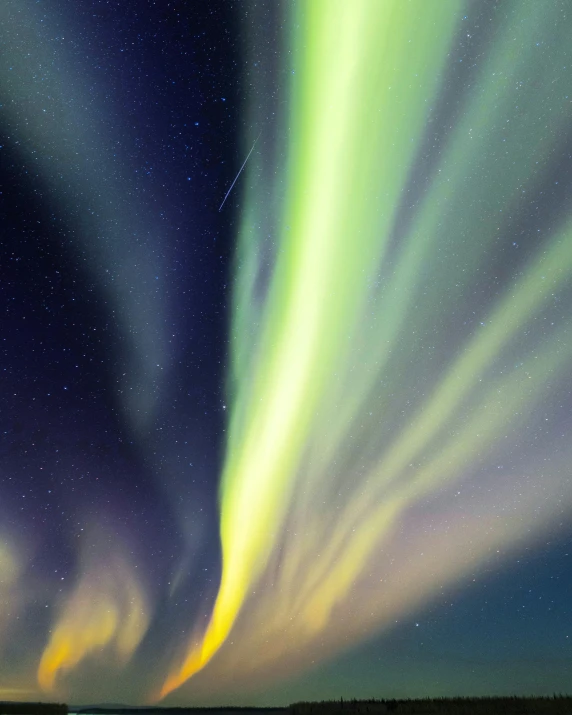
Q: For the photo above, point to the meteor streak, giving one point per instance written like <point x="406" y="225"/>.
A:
<point x="239" y="173"/>
<point x="397" y="344"/>
<point x="373" y="370"/>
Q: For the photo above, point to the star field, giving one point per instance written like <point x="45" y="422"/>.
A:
<point x="285" y="350"/>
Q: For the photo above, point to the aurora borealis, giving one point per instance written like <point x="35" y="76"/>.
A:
<point x="273" y="452"/>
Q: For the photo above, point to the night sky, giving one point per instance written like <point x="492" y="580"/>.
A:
<point x="309" y="438"/>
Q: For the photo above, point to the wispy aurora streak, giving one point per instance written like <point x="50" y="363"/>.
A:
<point x="108" y="609"/>
<point x="49" y="113"/>
<point x="352" y="413"/>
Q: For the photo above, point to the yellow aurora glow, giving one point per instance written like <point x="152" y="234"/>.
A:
<point x="12" y="561"/>
<point x="395" y="353"/>
<point x="314" y="298"/>
<point x="107" y="612"/>
<point x="320" y="472"/>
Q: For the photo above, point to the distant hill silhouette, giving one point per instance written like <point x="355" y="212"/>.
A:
<point x="134" y="709"/>
<point x="557" y="705"/>
<point x="12" y="708"/>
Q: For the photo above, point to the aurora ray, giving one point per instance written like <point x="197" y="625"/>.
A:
<point x="307" y="507"/>
<point x="316" y="444"/>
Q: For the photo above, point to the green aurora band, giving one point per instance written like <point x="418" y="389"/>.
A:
<point x="372" y="372"/>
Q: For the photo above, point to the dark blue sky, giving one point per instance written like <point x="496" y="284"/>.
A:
<point x="116" y="275"/>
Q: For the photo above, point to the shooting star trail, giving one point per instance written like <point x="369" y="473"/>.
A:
<point x="239" y="172"/>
